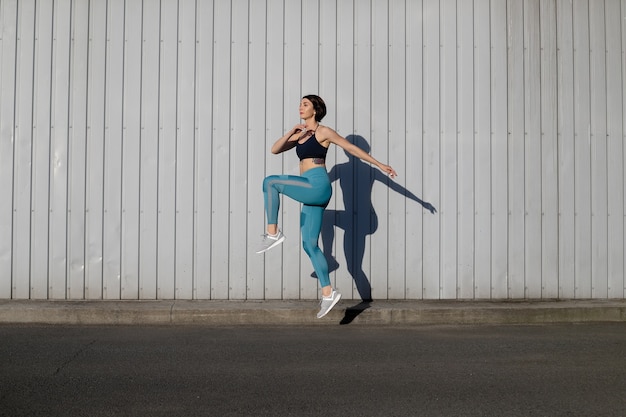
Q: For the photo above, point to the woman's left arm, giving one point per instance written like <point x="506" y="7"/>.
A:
<point x="333" y="137"/>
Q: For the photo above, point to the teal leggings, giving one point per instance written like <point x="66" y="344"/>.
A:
<point x="313" y="190"/>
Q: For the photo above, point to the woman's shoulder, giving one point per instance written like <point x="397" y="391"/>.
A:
<point x="324" y="132"/>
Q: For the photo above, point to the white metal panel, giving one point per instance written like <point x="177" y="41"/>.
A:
<point x="582" y="139"/>
<point x="615" y="149"/>
<point x="185" y="148"/>
<point x="256" y="136"/>
<point x="8" y="51"/>
<point x="221" y="149"/>
<point x="239" y="150"/>
<point x="23" y="148"/>
<point x="130" y="152"/>
<point x="59" y="149"/>
<point x="59" y="163"/>
<point x="598" y="138"/>
<point x="499" y="153"/>
<point x="431" y="80"/>
<point x="466" y="74"/>
<point x="95" y="150"/>
<point x="309" y="48"/>
<point x="203" y="152"/>
<point x="566" y="146"/>
<point x="530" y="177"/>
<point x="623" y="186"/>
<point x="329" y="26"/>
<point x="274" y="113"/>
<point x="549" y="152"/>
<point x="448" y="148"/>
<point x="414" y="145"/>
<point x="168" y="133"/>
<point x="114" y="113"/>
<point x="478" y="200"/>
<point x="40" y="184"/>
<point x="623" y="19"/>
<point x="516" y="148"/>
<point x="79" y="50"/>
<point x="149" y="148"/>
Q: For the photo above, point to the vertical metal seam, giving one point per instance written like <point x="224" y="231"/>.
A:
<point x="210" y="217"/>
<point x="176" y="143"/>
<point x="122" y="138"/>
<point x="574" y="147"/>
<point x="246" y="288"/>
<point x="490" y="48"/>
<point x="541" y="155"/>
<point x="86" y="133"/>
<point x="140" y="149"/>
<point x="104" y="143"/>
<point x="68" y="225"/>
<point x="194" y="219"/>
<point x="422" y="48"/>
<point x="31" y="181"/>
<point x="589" y="145"/>
<point x="623" y="82"/>
<point x="157" y="288"/>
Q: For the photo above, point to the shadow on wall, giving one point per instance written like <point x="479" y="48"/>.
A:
<point x="358" y="219"/>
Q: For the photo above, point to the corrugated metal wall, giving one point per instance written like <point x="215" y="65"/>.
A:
<point x="134" y="138"/>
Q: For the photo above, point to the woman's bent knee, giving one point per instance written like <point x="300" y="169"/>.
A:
<point x="267" y="181"/>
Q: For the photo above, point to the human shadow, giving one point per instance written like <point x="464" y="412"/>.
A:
<point x="358" y="219"/>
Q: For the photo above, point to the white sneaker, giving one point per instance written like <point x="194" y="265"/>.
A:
<point x="270" y="241"/>
<point x="328" y="303"/>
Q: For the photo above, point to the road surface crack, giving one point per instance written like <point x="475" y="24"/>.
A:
<point x="73" y="357"/>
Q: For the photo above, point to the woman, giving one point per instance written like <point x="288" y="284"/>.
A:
<point x="312" y="188"/>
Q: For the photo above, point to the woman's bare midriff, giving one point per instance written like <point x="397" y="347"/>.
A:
<point x="309" y="163"/>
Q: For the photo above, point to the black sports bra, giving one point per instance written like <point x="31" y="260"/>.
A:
<point x="311" y="148"/>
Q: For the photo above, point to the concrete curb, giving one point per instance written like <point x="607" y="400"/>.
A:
<point x="232" y="313"/>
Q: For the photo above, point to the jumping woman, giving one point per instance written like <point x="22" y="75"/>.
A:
<point x="312" y="188"/>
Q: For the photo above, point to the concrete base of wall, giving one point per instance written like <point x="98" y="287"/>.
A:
<point x="229" y="313"/>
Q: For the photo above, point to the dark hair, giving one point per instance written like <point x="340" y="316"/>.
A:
<point x="318" y="105"/>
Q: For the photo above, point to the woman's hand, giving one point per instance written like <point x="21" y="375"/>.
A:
<point x="388" y="170"/>
<point x="286" y="142"/>
<point x="300" y="127"/>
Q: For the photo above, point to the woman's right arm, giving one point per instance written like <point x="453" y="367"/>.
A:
<point x="284" y="144"/>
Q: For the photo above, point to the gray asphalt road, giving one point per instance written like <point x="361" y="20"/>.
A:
<point x="547" y="370"/>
